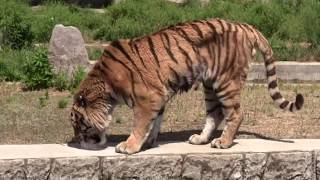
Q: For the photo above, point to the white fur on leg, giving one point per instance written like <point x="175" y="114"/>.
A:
<point x="155" y="130"/>
<point x="205" y="134"/>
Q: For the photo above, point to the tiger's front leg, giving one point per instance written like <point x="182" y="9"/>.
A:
<point x="146" y="127"/>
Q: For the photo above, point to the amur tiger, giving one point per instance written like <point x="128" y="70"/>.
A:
<point x="146" y="72"/>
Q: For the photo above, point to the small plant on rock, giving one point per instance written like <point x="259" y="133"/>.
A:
<point x="61" y="81"/>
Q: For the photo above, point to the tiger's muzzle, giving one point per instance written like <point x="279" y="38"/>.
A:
<point x="87" y="136"/>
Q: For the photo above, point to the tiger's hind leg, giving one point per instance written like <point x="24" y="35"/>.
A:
<point x="213" y="118"/>
<point x="229" y="96"/>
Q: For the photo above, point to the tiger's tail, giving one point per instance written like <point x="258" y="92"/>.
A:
<point x="266" y="50"/>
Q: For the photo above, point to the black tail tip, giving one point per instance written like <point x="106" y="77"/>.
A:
<point x="299" y="101"/>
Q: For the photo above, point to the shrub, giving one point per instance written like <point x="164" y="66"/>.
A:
<point x="79" y="75"/>
<point x="38" y="70"/>
<point x="62" y="103"/>
<point x="43" y="100"/>
<point x="61" y="81"/>
<point x="11" y="63"/>
<point x="16" y="33"/>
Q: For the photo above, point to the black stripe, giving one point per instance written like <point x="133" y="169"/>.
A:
<point x="173" y="86"/>
<point x="228" y="94"/>
<point x="205" y="85"/>
<point x="187" y="38"/>
<point x="227" y="52"/>
<point x="208" y="91"/>
<point x="139" y="55"/>
<point x="176" y="75"/>
<point x="229" y="26"/>
<point x="152" y="49"/>
<point x="276" y="96"/>
<point x="291" y="107"/>
<point x="221" y="24"/>
<point x="212" y="27"/>
<point x="218" y="56"/>
<point x="273" y="84"/>
<point x="248" y="27"/>
<point x="108" y="53"/>
<point x="197" y="29"/>
<point x="104" y="64"/>
<point x="244" y="38"/>
<point x="271" y="72"/>
<point x="235" y="48"/>
<point x="159" y="77"/>
<point x="185" y="35"/>
<point x="267" y="62"/>
<point x="210" y="99"/>
<point x="222" y="87"/>
<point x="214" y="108"/>
<point x="168" y="49"/>
<point x="118" y="45"/>
<point x="284" y="104"/>
<point x="188" y="58"/>
<point x="161" y="111"/>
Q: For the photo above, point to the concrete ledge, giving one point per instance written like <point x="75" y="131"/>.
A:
<point x="247" y="159"/>
<point x="288" y="71"/>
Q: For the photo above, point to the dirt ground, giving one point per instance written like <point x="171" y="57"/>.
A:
<point x="24" y="119"/>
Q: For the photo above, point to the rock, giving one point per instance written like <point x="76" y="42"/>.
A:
<point x="12" y="169"/>
<point x="254" y="165"/>
<point x="212" y="166"/>
<point x="76" y="168"/>
<point x="292" y="165"/>
<point x="38" y="168"/>
<point x="142" y="167"/>
<point x="67" y="50"/>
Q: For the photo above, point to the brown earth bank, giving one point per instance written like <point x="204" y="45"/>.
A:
<point x="29" y="117"/>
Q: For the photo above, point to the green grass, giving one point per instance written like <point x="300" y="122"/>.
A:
<point x="11" y="63"/>
<point x="296" y="21"/>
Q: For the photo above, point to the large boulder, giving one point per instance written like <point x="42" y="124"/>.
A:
<point x="67" y="50"/>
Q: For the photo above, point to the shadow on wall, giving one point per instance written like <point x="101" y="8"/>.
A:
<point x="82" y="3"/>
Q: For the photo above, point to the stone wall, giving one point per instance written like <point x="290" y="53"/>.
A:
<point x="288" y="71"/>
<point x="272" y="165"/>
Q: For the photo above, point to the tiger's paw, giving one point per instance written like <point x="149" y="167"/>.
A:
<point x="126" y="147"/>
<point x="197" y="139"/>
<point x="219" y="143"/>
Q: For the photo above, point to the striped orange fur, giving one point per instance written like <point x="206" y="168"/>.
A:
<point x="146" y="72"/>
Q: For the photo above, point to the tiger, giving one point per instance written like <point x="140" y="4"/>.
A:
<point x="146" y="72"/>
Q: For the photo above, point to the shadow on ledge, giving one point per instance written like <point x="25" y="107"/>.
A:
<point x="184" y="136"/>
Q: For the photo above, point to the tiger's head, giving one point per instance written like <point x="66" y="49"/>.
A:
<point x="91" y="113"/>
